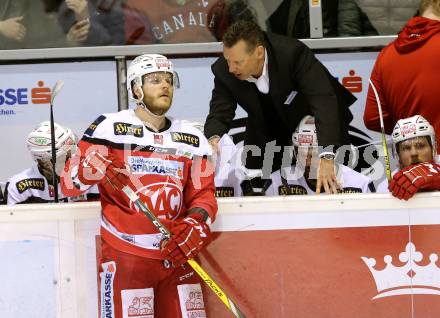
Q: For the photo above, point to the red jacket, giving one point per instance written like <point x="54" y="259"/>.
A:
<point x="406" y="76"/>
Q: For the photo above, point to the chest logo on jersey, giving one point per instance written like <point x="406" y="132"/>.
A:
<point x="224" y="192"/>
<point x="292" y="189"/>
<point x="33" y="183"/>
<point x="185" y="138"/>
<point x="142" y="165"/>
<point x="128" y="129"/>
<point x="163" y="198"/>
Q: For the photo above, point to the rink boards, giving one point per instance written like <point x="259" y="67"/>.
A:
<point x="328" y="256"/>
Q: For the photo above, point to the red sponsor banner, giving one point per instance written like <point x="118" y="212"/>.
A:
<point x="337" y="272"/>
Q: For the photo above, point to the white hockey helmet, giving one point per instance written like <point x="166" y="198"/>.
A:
<point x="305" y="133"/>
<point x="145" y="64"/>
<point x="39" y="141"/>
<point x="411" y="127"/>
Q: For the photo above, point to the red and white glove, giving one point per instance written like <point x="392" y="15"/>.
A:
<point x="188" y="237"/>
<point x="411" y="179"/>
<point x="109" y="171"/>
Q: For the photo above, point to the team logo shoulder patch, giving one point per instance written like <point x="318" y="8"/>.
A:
<point x="128" y="129"/>
<point x="351" y="190"/>
<point x="89" y="131"/>
<point x="32" y="183"/>
<point x="185" y="138"/>
<point x="292" y="189"/>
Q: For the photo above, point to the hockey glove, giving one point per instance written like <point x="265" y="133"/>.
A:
<point x="109" y="171"/>
<point x="411" y="179"/>
<point x="188" y="237"/>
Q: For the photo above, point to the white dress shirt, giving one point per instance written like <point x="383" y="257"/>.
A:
<point x="263" y="81"/>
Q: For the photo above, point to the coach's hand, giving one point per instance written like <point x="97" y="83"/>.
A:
<point x="327" y="177"/>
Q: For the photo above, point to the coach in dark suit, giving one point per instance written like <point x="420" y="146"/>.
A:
<point x="277" y="80"/>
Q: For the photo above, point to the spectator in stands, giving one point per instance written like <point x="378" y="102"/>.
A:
<point x="277" y="81"/>
<point x="138" y="28"/>
<point x="225" y="12"/>
<point x="339" y="18"/>
<point x="301" y="178"/>
<point x="414" y="145"/>
<point x="415" y="90"/>
<point x="13" y="16"/>
<point x="171" y="21"/>
<point x="92" y="22"/>
<point x="35" y="185"/>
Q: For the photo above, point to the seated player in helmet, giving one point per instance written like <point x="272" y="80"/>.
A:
<point x="35" y="185"/>
<point x="300" y="178"/>
<point x="414" y="145"/>
<point x="162" y="159"/>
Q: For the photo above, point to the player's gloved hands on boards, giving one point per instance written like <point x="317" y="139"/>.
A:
<point x="411" y="179"/>
<point x="188" y="237"/>
<point x="109" y="171"/>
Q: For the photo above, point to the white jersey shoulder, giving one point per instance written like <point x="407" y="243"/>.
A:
<point x="184" y="132"/>
<point x="31" y="184"/>
<point x="26" y="184"/>
<point x="351" y="182"/>
<point x="125" y="127"/>
<point x="355" y="182"/>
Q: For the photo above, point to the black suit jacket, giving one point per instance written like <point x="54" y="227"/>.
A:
<point x="292" y="67"/>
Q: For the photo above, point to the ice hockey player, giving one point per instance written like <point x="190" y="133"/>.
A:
<point x="414" y="146"/>
<point x="35" y="185"/>
<point x="300" y="179"/>
<point x="165" y="162"/>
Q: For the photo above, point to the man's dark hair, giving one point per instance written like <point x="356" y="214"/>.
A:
<point x="248" y="31"/>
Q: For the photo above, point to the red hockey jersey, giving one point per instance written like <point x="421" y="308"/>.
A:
<point x="169" y="172"/>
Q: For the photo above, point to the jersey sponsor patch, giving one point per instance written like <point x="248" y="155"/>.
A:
<point x="137" y="303"/>
<point x="128" y="129"/>
<point x="142" y="165"/>
<point x="168" y="151"/>
<point x="32" y="183"/>
<point x="292" y="189"/>
<point x="89" y="131"/>
<point x="185" y="138"/>
<point x="350" y="190"/>
<point x="185" y="153"/>
<point x="224" y="192"/>
<point x="191" y="300"/>
<point x="107" y="290"/>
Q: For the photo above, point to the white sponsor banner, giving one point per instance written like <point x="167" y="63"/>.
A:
<point x="25" y="90"/>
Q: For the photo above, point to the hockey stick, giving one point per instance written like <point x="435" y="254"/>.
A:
<point x="55" y="90"/>
<point x="199" y="270"/>
<point x="382" y="128"/>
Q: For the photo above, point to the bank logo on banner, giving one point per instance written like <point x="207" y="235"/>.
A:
<point x="408" y="279"/>
<point x="352" y="82"/>
<point x="11" y="97"/>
